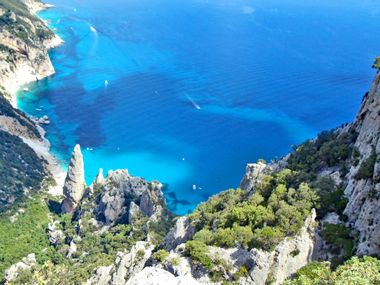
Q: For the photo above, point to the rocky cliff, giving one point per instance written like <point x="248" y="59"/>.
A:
<point x="363" y="184"/>
<point x="24" y="44"/>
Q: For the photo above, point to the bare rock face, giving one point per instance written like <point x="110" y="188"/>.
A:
<point x="56" y="236"/>
<point x="99" y="179"/>
<point x="289" y="256"/>
<point x="180" y="233"/>
<point x="152" y="202"/>
<point x="26" y="263"/>
<point x="75" y="185"/>
<point x="126" y="266"/>
<point x="124" y="195"/>
<point x="155" y="276"/>
<point x="363" y="209"/>
<point x="252" y="175"/>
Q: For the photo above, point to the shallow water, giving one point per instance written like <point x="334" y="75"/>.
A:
<point x="188" y="92"/>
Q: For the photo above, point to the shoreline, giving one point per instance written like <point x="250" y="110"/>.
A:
<point x="24" y="75"/>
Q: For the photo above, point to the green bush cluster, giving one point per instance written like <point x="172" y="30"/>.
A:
<point x="27" y="234"/>
<point x="277" y="209"/>
<point x="161" y="255"/>
<point x="366" y="169"/>
<point x="20" y="169"/>
<point x="329" y="149"/>
<point x="363" y="271"/>
<point x="340" y="237"/>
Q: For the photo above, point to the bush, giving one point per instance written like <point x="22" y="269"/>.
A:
<point x="354" y="272"/>
<point x="277" y="209"/>
<point x="198" y="252"/>
<point x="340" y="237"/>
<point x="366" y="169"/>
<point x="161" y="255"/>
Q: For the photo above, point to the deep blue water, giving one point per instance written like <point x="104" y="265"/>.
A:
<point x="198" y="88"/>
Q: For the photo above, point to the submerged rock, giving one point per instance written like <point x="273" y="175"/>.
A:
<point x="75" y="185"/>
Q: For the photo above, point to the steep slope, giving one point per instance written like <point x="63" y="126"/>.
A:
<point x="24" y="44"/>
<point x="25" y="157"/>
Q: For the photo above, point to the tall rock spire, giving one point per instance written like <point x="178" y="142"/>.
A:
<point x="75" y="185"/>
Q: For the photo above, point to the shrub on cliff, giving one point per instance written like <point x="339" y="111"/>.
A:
<point x="277" y="209"/>
<point x="366" y="169"/>
<point x="356" y="271"/>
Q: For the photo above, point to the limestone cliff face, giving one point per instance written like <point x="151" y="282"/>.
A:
<point x="75" y="185"/>
<point x="265" y="267"/>
<point x="24" y="44"/>
<point x="363" y="209"/>
<point x="120" y="189"/>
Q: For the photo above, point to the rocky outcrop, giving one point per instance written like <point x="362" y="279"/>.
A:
<point x="56" y="236"/>
<point x="181" y="232"/>
<point x="26" y="263"/>
<point x="156" y="276"/>
<point x="75" y="185"/>
<point x="289" y="256"/>
<point x="120" y="189"/>
<point x="363" y="192"/>
<point x="152" y="202"/>
<point x="24" y="56"/>
<point x="126" y="266"/>
<point x="264" y="267"/>
<point x="252" y="175"/>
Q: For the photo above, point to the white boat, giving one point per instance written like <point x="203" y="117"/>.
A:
<point x="92" y="28"/>
<point x="26" y="89"/>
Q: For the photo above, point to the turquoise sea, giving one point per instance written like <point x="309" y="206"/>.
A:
<point x="189" y="91"/>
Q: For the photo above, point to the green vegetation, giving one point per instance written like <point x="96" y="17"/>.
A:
<point x="161" y="255"/>
<point x="329" y="149"/>
<point x="20" y="169"/>
<point x="331" y="197"/>
<point x="198" y="252"/>
<point x="366" y="169"/>
<point x="363" y="271"/>
<point x="277" y="209"/>
<point x="16" y="20"/>
<point x="340" y="238"/>
<point x="376" y="64"/>
<point x="25" y="235"/>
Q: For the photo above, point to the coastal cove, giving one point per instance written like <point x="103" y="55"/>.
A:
<point x="152" y="87"/>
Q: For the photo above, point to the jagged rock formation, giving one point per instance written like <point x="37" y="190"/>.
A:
<point x="363" y="191"/>
<point x="181" y="232"/>
<point x="120" y="189"/>
<point x="253" y="173"/>
<point x="75" y="184"/>
<point x="126" y="265"/>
